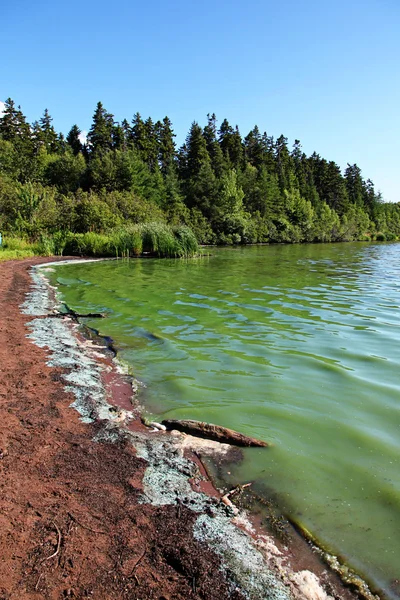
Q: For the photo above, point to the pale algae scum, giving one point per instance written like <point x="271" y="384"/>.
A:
<point x="296" y="345"/>
<point x="253" y="566"/>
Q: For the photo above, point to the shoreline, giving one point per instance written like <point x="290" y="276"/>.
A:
<point x="253" y="564"/>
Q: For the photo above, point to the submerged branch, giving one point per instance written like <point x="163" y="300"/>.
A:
<point x="75" y="315"/>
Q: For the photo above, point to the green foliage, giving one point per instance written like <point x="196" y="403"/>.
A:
<point x="129" y="182"/>
<point x="155" y="239"/>
<point x="16" y="248"/>
<point x="186" y="240"/>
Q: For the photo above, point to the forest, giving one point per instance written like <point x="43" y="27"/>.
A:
<point x="128" y="188"/>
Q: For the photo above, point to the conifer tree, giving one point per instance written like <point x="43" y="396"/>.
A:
<point x="9" y="123"/>
<point x="283" y="162"/>
<point x="138" y="133"/>
<point x="166" y="145"/>
<point x="213" y="148"/>
<point x="200" y="184"/>
<point x="231" y="144"/>
<point x="150" y="150"/>
<point x="354" y="184"/>
<point x="253" y="146"/>
<point x="100" y="134"/>
<point x="48" y="133"/>
<point x="73" y="140"/>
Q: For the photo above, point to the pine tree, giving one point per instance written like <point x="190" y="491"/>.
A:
<point x="218" y="162"/>
<point x="73" y="140"/>
<point x="138" y="133"/>
<point x="253" y="147"/>
<point x="100" y="138"/>
<point x="166" y="144"/>
<point x="150" y="150"/>
<point x="200" y="185"/>
<point x="119" y="141"/>
<point x="231" y="144"/>
<point x="283" y="162"/>
<point x="48" y="133"/>
<point x="354" y="184"/>
<point x="13" y="125"/>
<point x="9" y="126"/>
<point x="127" y="131"/>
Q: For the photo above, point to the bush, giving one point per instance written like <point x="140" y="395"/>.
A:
<point x="380" y="237"/>
<point x="88" y="244"/>
<point x="16" y="248"/>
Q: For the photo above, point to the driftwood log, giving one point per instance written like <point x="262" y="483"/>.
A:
<point x="213" y="432"/>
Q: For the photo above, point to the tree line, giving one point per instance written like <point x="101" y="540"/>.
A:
<point x="227" y="188"/>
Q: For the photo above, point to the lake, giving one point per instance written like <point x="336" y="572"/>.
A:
<point x="297" y="345"/>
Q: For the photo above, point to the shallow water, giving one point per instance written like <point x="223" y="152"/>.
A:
<point x="297" y="345"/>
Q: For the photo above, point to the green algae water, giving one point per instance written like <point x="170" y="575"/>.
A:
<point x="296" y="345"/>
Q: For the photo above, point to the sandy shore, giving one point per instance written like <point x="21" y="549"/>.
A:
<point x="93" y="505"/>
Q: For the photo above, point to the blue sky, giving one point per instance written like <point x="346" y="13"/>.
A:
<point x="325" y="72"/>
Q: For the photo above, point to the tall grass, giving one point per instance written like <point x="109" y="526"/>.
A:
<point x="154" y="239"/>
<point x="149" y="239"/>
<point x="16" y="248"/>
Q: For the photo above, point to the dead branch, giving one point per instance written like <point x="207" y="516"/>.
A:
<point x="58" y="543"/>
<point x="238" y="489"/>
<point x="213" y="432"/>
<point x="133" y="574"/>
<point x="86" y="526"/>
<point x="38" y="581"/>
<point x="226" y="498"/>
<point x="72" y="314"/>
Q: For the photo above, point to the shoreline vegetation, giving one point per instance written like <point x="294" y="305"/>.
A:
<point x="126" y="188"/>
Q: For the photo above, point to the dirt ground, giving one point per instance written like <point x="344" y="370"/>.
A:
<point x="70" y="524"/>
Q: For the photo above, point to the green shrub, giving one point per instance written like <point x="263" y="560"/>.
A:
<point x="16" y="248"/>
<point x="380" y="237"/>
<point x="14" y="243"/>
<point x="44" y="246"/>
<point x="88" y="244"/>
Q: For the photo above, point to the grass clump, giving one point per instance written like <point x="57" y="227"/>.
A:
<point x="151" y="239"/>
<point x="13" y="248"/>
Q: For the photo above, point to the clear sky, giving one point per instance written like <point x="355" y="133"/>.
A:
<point x="324" y="71"/>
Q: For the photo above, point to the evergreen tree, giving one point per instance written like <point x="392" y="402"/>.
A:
<point x="127" y="131"/>
<point x="200" y="185"/>
<point x="254" y="150"/>
<point x="354" y="184"/>
<point x="119" y="141"/>
<point x="213" y="148"/>
<point x="47" y="132"/>
<point x="100" y="136"/>
<point x="9" y="122"/>
<point x="283" y="161"/>
<point x="138" y="133"/>
<point x="73" y="140"/>
<point x="231" y="144"/>
<point x="166" y="145"/>
<point x="150" y="150"/>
